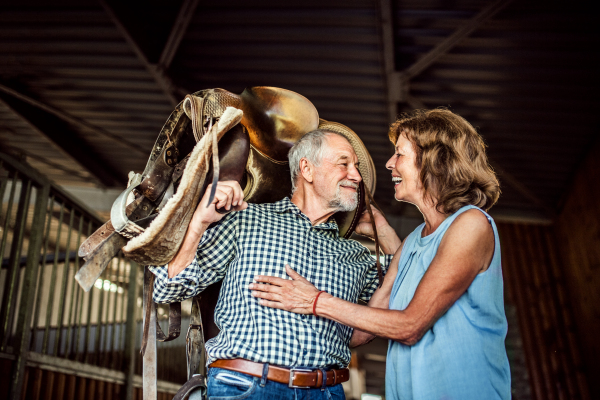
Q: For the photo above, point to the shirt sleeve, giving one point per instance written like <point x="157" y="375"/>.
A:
<point x="215" y="252"/>
<point x="372" y="278"/>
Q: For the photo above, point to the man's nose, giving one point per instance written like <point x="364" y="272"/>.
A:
<point x="354" y="174"/>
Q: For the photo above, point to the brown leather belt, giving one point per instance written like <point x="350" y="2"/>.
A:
<point x="294" y="378"/>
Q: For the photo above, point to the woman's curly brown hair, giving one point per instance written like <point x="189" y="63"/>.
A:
<point x="451" y="159"/>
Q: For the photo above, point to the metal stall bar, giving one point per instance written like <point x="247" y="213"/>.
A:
<point x="99" y="314"/>
<point x="115" y="342"/>
<point x="75" y="296"/>
<point x="124" y="304"/>
<point x="11" y="284"/>
<point x="24" y="320"/>
<point x="41" y="273"/>
<point x="11" y="199"/>
<point x="109" y="327"/>
<point x="63" y="285"/>
<point x="87" y="296"/>
<point x="52" y="293"/>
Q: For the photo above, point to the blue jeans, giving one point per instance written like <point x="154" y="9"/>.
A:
<point x="229" y="385"/>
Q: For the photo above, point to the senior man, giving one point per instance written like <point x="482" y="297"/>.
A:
<point x="262" y="352"/>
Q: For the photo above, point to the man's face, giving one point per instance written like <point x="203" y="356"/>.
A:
<point x="336" y="179"/>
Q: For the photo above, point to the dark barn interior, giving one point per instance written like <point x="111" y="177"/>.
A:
<point x="85" y="87"/>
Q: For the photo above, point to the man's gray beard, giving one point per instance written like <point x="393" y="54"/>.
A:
<point x="344" y="204"/>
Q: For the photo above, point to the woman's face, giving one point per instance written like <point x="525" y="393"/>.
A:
<point x="405" y="174"/>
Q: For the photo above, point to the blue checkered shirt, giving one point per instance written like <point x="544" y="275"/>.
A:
<point x="261" y="240"/>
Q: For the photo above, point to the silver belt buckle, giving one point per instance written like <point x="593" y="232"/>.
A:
<point x="291" y="382"/>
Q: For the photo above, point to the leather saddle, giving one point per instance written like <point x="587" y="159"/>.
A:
<point x="254" y="130"/>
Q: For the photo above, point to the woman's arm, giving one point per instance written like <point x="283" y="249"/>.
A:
<point x="380" y="299"/>
<point x="466" y="250"/>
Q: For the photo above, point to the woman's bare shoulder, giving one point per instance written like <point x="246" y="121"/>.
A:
<point x="471" y="229"/>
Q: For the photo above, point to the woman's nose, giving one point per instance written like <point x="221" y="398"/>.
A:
<point x="390" y="163"/>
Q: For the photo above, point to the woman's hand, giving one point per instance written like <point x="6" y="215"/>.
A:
<point x="364" y="226"/>
<point x="296" y="295"/>
<point x="388" y="239"/>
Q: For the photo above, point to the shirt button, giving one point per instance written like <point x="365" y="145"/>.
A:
<point x="305" y="351"/>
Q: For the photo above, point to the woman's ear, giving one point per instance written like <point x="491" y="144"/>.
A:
<point x="307" y="170"/>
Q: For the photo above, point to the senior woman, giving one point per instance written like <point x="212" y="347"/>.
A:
<point x="444" y="290"/>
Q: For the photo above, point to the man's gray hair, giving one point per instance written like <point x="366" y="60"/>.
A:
<point x="310" y="146"/>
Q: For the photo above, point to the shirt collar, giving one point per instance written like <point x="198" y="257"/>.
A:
<point x="285" y="205"/>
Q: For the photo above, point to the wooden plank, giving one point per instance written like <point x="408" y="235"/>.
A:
<point x="71" y="387"/>
<point x="91" y="390"/>
<point x="36" y="386"/>
<point x="81" y="388"/>
<point x="61" y="380"/>
<point x="48" y="390"/>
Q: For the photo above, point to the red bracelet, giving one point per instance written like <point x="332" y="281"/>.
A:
<point x="315" y="303"/>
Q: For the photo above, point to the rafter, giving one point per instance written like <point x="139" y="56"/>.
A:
<point x="64" y="136"/>
<point x="180" y="26"/>
<point x="158" y="74"/>
<point x="447" y="44"/>
<point x="66" y="117"/>
<point x="398" y="82"/>
<point x="50" y="163"/>
<point x="523" y="190"/>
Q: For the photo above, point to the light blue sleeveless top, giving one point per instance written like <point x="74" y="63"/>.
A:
<point x="462" y="357"/>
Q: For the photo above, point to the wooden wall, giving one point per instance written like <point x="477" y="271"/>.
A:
<point x="578" y="232"/>
<point x="552" y="275"/>
<point x="534" y="282"/>
<point x="42" y="384"/>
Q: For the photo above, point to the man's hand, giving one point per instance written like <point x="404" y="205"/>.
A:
<point x="228" y="196"/>
<point x="388" y="239"/>
<point x="296" y="295"/>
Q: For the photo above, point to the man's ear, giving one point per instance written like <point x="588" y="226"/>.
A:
<point x="307" y="170"/>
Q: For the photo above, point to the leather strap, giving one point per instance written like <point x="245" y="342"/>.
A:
<point x="174" y="315"/>
<point x="194" y="340"/>
<point x="291" y="377"/>
<point x="369" y="200"/>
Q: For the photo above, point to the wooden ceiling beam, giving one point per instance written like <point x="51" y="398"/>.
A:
<point x="398" y="82"/>
<point x="63" y="135"/>
<point x="390" y="75"/>
<point x="66" y="117"/>
<point x="186" y="13"/>
<point x="397" y="87"/>
<point x="523" y="190"/>
<point x="447" y="44"/>
<point x="172" y="92"/>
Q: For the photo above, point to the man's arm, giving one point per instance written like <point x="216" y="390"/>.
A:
<point x="229" y="195"/>
<point x="204" y="254"/>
